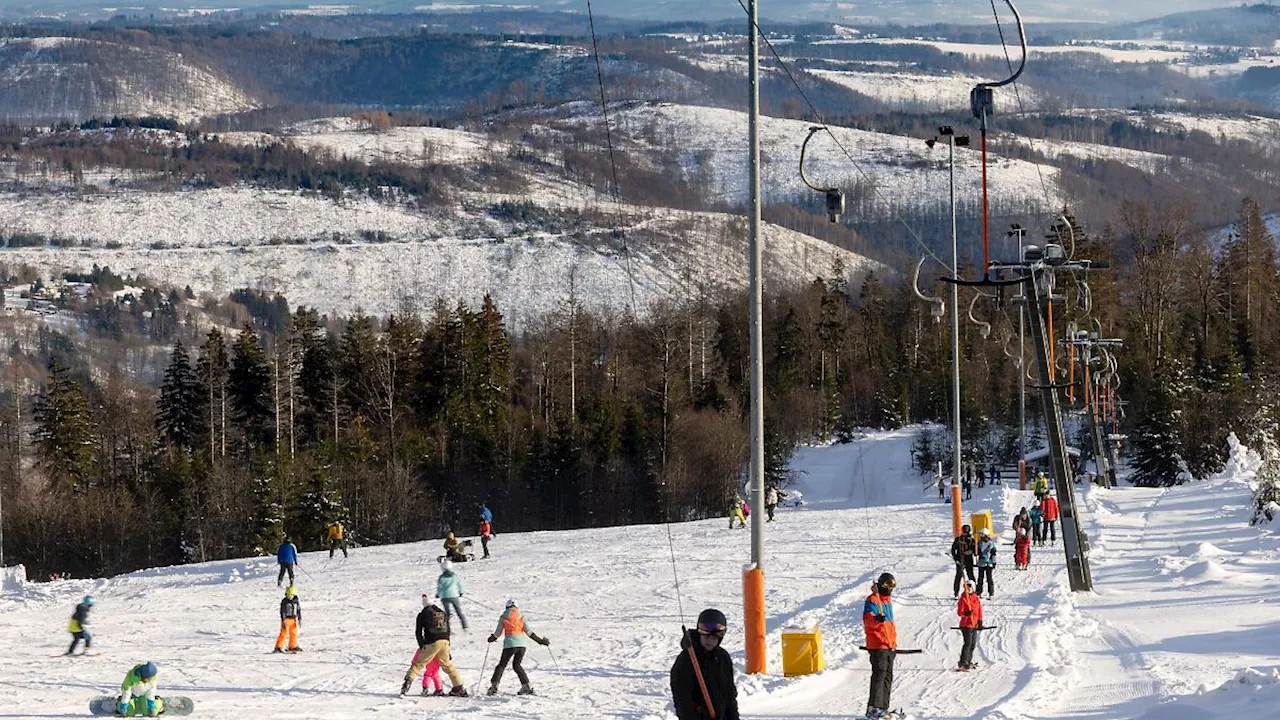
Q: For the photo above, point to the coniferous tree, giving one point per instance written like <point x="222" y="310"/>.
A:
<point x="212" y="372"/>
<point x="249" y="386"/>
<point x="1155" y="445"/>
<point x="178" y="409"/>
<point x="64" y="430"/>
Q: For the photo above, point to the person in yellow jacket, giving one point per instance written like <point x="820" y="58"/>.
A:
<point x="1041" y="486"/>
<point x="735" y="512"/>
<point x="335" y="539"/>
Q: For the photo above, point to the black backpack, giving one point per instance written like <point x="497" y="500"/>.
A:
<point x="437" y="623"/>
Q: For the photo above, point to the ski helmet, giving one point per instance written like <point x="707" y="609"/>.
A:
<point x="511" y="602"/>
<point x="447" y="565"/>
<point x="291" y="591"/>
<point x="886" y="583"/>
<point x="712" y="622"/>
<point x="965" y="529"/>
<point x="88" y="600"/>
<point x="147" y="671"/>
<point x="985" y="532"/>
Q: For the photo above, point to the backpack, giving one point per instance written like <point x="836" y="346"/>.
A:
<point x="437" y="624"/>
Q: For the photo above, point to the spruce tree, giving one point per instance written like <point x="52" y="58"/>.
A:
<point x="64" y="430"/>
<point x="178" y="410"/>
<point x="249" y="390"/>
<point x="212" y="375"/>
<point x="1156" y="454"/>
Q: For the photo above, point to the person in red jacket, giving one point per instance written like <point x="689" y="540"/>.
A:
<point x="1049" y="508"/>
<point x="882" y="643"/>
<point x="1022" y="550"/>
<point x="969" y="609"/>
<point x="486" y="531"/>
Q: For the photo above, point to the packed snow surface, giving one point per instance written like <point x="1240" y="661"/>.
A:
<point x="1198" y="642"/>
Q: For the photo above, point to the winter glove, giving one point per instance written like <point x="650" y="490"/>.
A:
<point x="967" y="613"/>
<point x="493" y="638"/>
<point x="880" y="618"/>
<point x="544" y="642"/>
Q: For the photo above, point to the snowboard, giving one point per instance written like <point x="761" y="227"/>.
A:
<point x="105" y="705"/>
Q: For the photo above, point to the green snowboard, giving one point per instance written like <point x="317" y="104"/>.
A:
<point x="175" y="705"/>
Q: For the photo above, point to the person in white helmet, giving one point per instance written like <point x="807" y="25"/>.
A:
<point x="449" y="590"/>
<point x="516" y="633"/>
<point x="986" y="562"/>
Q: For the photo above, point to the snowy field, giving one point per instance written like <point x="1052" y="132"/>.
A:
<point x="1185" y="602"/>
<point x="915" y="91"/>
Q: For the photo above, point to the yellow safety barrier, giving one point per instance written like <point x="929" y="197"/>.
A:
<point x="981" y="520"/>
<point x="802" y="652"/>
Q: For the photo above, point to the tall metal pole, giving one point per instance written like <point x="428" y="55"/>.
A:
<point x="955" y="321"/>
<point x="1022" y="376"/>
<point x="753" y="580"/>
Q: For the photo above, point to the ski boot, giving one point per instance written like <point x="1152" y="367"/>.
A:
<point x="493" y="690"/>
<point x="525" y="690"/>
<point x="458" y="691"/>
<point x="295" y="649"/>
<point x="278" y="650"/>
<point x="439" y="692"/>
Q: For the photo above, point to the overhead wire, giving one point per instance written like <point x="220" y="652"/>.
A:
<point x="1044" y="187"/>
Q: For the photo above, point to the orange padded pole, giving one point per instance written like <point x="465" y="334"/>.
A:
<point x="956" y="515"/>
<point x="753" y="618"/>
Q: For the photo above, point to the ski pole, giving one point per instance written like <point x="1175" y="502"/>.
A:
<point x="304" y="571"/>
<point x="483" y="662"/>
<point x="556" y="662"/>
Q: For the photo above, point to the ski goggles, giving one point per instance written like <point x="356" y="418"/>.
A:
<point x="716" y="629"/>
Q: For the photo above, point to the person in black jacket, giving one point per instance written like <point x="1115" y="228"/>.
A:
<point x="717" y="671"/>
<point x="290" y="620"/>
<point x="432" y="633"/>
<point x="78" y="626"/>
<point x="963" y="550"/>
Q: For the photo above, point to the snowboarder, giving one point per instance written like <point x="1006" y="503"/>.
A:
<point x="1040" y="486"/>
<point x="138" y="692"/>
<point x="485" y="531"/>
<point x="882" y="643"/>
<point x="1037" y="525"/>
<point x="1049" y="506"/>
<point x="770" y="501"/>
<point x="336" y="540"/>
<point x="970" y="611"/>
<point x="287" y="556"/>
<point x="449" y="589"/>
<point x="735" y="512"/>
<point x="432" y="632"/>
<point x="963" y="551"/>
<point x="702" y="655"/>
<point x="515" y="633"/>
<point x="290" y="620"/>
<point x="79" y="619"/>
<point x="1022" y="550"/>
<point x="986" y="562"/>
<point x="455" y="549"/>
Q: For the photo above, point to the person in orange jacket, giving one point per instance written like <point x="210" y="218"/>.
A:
<point x="485" y="532"/>
<point x="969" y="608"/>
<point x="1049" y="508"/>
<point x="882" y="643"/>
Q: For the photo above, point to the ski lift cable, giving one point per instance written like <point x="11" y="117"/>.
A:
<point x="1044" y="186"/>
<point x="822" y="121"/>
<point x="613" y="166"/>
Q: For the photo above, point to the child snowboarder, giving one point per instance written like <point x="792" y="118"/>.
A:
<point x="290" y="620"/>
<point x="335" y="539"/>
<point x="138" y="692"/>
<point x="713" y="667"/>
<point x="735" y="512"/>
<point x="986" y="562"/>
<point x="79" y="619"/>
<point x="1022" y="550"/>
<point x="882" y="643"/>
<point x="515" y="633"/>
<point x="485" y="531"/>
<point x="287" y="556"/>
<point x="432" y="633"/>
<point x="970" y="611"/>
<point x="449" y="589"/>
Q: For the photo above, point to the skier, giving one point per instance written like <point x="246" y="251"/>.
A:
<point x="335" y="539"/>
<point x="710" y="661"/>
<point x="515" y="633"/>
<point x="431" y="677"/>
<point x="770" y="501"/>
<point x="963" y="550"/>
<point x="882" y="643"/>
<point x="982" y="478"/>
<point x="735" y="512"/>
<point x="1021" y="521"/>
<point x="449" y="589"/>
<point x="432" y="632"/>
<point x="970" y="611"/>
<point x="290" y="620"/>
<point x="986" y="562"/>
<point x="485" y="531"/>
<point x="138" y="692"/>
<point x="1037" y="525"/>
<point x="79" y="619"/>
<point x="746" y="509"/>
<point x="1041" y="486"/>
<point x="1022" y="550"/>
<point x="1049" y="506"/>
<point x="967" y="483"/>
<point x="287" y="556"/>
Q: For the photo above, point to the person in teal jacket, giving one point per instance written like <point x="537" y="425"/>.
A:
<point x="449" y="590"/>
<point x="515" y="633"/>
<point x="138" y="692"/>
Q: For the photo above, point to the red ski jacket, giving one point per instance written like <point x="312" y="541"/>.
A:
<point x="972" y="604"/>
<point x="1049" y="506"/>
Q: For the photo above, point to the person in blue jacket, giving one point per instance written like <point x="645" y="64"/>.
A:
<point x="449" y="589"/>
<point x="484" y="513"/>
<point x="287" y="556"/>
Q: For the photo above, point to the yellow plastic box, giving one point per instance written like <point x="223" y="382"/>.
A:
<point x="980" y="520"/>
<point x="802" y="652"/>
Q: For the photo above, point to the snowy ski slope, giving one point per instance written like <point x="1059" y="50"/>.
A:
<point x="1185" y="601"/>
